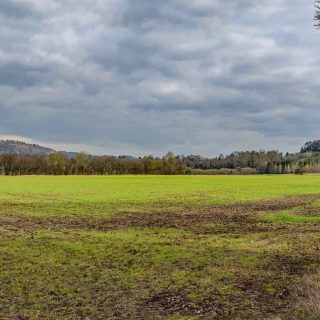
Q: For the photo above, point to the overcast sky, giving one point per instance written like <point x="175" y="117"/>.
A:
<point x="146" y="77"/>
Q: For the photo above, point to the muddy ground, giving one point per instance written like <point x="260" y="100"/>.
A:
<point x="251" y="301"/>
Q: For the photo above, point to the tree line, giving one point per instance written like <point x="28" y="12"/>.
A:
<point x="84" y="164"/>
<point x="245" y="163"/>
<point x="262" y="162"/>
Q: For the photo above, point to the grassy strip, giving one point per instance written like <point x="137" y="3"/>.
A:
<point x="65" y="196"/>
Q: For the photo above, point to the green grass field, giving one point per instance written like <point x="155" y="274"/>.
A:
<point x="157" y="247"/>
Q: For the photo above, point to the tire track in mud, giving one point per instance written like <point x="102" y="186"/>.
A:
<point x="235" y="216"/>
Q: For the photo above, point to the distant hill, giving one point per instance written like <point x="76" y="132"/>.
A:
<point x="22" y="148"/>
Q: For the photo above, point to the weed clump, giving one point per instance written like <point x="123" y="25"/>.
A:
<point x="307" y="297"/>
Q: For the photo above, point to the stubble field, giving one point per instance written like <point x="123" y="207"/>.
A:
<point x="160" y="247"/>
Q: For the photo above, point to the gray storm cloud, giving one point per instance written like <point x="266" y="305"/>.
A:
<point x="141" y="77"/>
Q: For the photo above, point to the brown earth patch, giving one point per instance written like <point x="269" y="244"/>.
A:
<point x="294" y="264"/>
<point x="258" y="296"/>
<point x="307" y="210"/>
<point x="251" y="300"/>
<point x="176" y="302"/>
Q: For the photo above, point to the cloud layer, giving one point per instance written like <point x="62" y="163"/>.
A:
<point x="142" y="77"/>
